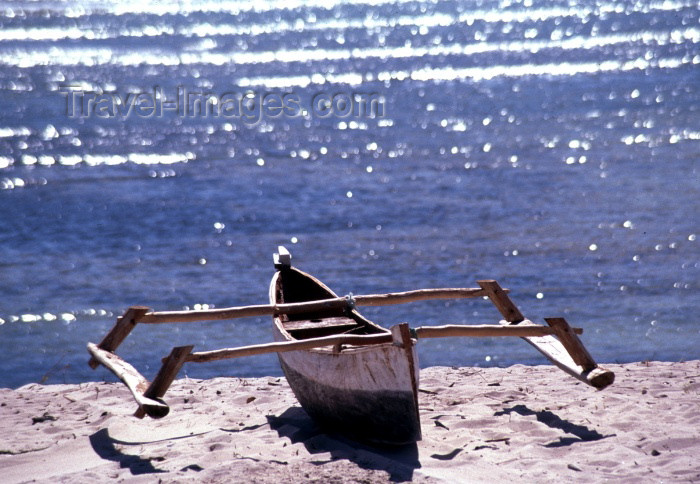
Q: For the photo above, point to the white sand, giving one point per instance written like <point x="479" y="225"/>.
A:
<point x="524" y="424"/>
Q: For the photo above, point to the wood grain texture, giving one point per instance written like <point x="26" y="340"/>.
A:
<point x="368" y="391"/>
<point x="555" y="352"/>
<point x="485" y="331"/>
<point x="570" y="341"/>
<point x="500" y="299"/>
<point x="134" y="381"/>
<point x="309" y="306"/>
<point x="120" y="331"/>
<point x="242" y="311"/>
<point x="338" y="323"/>
<point x="287" y="346"/>
<point x="160" y="384"/>
<point x="417" y="295"/>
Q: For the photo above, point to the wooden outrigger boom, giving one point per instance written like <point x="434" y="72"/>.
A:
<point x="557" y="341"/>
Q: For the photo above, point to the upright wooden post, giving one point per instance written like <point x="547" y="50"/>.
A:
<point x="401" y="336"/>
<point x="500" y="299"/>
<point x="160" y="384"/>
<point x="572" y="343"/>
<point x="119" y="331"/>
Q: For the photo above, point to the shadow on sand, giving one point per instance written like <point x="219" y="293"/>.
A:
<point x="580" y="433"/>
<point x="105" y="447"/>
<point x="295" y="424"/>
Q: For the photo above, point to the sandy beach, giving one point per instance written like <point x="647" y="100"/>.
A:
<point x="524" y="424"/>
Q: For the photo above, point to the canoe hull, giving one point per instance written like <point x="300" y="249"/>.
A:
<point x="373" y="416"/>
<point x="368" y="393"/>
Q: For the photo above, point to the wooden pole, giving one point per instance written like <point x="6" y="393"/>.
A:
<point x="485" y="331"/>
<point x="119" y="331"/>
<point x="243" y="311"/>
<point x="480" y="331"/>
<point x="418" y="295"/>
<point x="134" y="381"/>
<point x="160" y="384"/>
<point x="500" y="299"/>
<point x="309" y="306"/>
<point x="285" y="346"/>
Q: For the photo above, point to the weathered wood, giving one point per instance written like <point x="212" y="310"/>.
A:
<point x="485" y="331"/>
<point x="243" y="311"/>
<point x="500" y="299"/>
<point x="401" y="335"/>
<point x="397" y="336"/>
<point x="365" y="392"/>
<point x="310" y="306"/>
<point x="120" y="331"/>
<point x="285" y="346"/>
<point x="600" y="377"/>
<point x="571" y="342"/>
<point x="418" y="295"/>
<point x="567" y="353"/>
<point x="160" y="384"/>
<point x="555" y="352"/>
<point x="134" y="381"/>
<point x="336" y="323"/>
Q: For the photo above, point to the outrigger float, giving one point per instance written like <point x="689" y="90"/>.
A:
<point x="348" y="373"/>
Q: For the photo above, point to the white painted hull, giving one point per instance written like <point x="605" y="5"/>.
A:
<point x="369" y="392"/>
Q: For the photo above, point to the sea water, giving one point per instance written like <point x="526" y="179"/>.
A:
<point x="157" y="154"/>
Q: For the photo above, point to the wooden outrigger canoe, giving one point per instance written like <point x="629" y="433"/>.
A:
<point x="348" y="373"/>
<point x="369" y="392"/>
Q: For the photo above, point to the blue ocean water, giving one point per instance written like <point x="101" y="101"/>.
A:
<point x="390" y="145"/>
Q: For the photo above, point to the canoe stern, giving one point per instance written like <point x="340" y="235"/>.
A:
<point x="382" y="416"/>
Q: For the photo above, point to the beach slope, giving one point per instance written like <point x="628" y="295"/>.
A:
<point x="525" y="424"/>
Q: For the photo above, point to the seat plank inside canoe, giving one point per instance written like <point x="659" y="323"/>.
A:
<point x="337" y="323"/>
<point x="320" y="327"/>
<point x="295" y="286"/>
